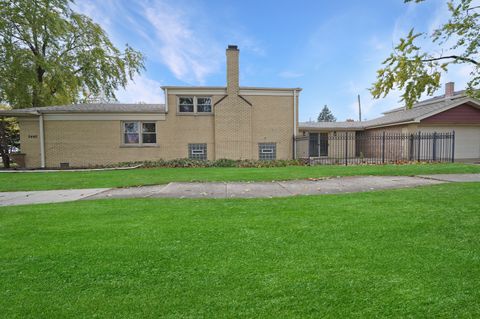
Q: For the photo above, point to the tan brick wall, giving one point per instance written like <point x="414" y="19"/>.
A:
<point x="87" y="143"/>
<point x="272" y="121"/>
<point x="30" y="140"/>
<point x="233" y="129"/>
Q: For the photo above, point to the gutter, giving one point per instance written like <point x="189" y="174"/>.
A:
<point x="294" y="124"/>
<point x="42" y="141"/>
<point x="165" y="91"/>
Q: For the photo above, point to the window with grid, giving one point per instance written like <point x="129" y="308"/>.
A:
<point x="195" y="104"/>
<point x="204" y="104"/>
<point x="185" y="104"/>
<point x="267" y="151"/>
<point x="139" y="133"/>
<point x="197" y="151"/>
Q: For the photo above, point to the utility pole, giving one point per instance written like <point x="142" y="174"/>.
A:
<point x="359" y="109"/>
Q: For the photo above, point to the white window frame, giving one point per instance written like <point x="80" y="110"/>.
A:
<point x="140" y="134"/>
<point x="195" y="104"/>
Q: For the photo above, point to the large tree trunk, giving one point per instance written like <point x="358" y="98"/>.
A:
<point x="36" y="96"/>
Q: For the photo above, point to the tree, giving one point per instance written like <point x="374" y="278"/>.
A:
<point x="414" y="72"/>
<point x="326" y="115"/>
<point x="51" y="55"/>
<point x="9" y="137"/>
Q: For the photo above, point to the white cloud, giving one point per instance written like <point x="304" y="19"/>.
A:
<point x="190" y="54"/>
<point x="290" y="74"/>
<point x="141" y="89"/>
<point x="95" y="12"/>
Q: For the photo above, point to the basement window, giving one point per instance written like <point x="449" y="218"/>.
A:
<point x="195" y="104"/>
<point x="197" y="151"/>
<point x="139" y="133"/>
<point x="267" y="151"/>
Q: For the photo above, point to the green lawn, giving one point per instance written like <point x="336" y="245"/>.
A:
<point x="136" y="177"/>
<point x="401" y="253"/>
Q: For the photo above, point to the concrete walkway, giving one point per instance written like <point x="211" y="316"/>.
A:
<point x="41" y="197"/>
<point x="237" y="189"/>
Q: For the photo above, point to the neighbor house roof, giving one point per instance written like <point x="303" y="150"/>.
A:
<point x="88" y="108"/>
<point x="333" y="125"/>
<point x="400" y="115"/>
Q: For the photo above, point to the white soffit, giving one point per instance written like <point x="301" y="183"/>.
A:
<point x="105" y="117"/>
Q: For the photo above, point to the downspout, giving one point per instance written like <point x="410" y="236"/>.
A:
<point x="294" y="124"/>
<point x="42" y="141"/>
<point x="165" y="90"/>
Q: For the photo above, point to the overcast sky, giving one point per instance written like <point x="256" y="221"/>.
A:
<point x="331" y="49"/>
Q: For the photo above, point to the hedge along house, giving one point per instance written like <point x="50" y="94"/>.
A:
<point x="231" y="122"/>
<point x="431" y="120"/>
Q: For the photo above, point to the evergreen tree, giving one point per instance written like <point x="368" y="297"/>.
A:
<point x="326" y="115"/>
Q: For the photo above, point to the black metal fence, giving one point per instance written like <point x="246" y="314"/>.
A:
<point x="376" y="148"/>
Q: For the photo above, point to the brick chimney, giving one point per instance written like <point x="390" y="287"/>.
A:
<point x="449" y="89"/>
<point x="232" y="70"/>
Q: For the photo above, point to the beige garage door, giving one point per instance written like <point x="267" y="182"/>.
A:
<point x="467" y="139"/>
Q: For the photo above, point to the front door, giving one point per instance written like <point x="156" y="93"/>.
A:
<point x="323" y="144"/>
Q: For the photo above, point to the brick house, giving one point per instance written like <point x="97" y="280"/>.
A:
<point x="452" y="111"/>
<point x="231" y="122"/>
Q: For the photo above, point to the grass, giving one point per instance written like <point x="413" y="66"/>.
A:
<point x="402" y="253"/>
<point x="151" y="176"/>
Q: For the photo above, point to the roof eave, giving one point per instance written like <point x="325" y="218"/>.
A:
<point x="413" y="121"/>
<point x="13" y="113"/>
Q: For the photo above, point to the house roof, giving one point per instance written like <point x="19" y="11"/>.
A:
<point x="88" y="108"/>
<point x="400" y="115"/>
<point x="224" y="88"/>
<point x="332" y="125"/>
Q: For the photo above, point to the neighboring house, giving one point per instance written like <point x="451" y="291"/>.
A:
<point x="453" y="111"/>
<point x="196" y="122"/>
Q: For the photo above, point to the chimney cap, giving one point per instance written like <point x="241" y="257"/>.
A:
<point x="232" y="47"/>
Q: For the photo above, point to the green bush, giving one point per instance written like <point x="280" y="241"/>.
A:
<point x="186" y="162"/>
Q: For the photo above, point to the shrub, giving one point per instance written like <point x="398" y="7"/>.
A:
<point x="224" y="162"/>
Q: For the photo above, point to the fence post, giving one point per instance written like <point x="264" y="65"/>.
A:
<point x="419" y="146"/>
<point x="383" y="148"/>
<point x="346" y="148"/>
<point x="410" y="149"/>
<point x="434" y="146"/>
<point x="453" y="146"/>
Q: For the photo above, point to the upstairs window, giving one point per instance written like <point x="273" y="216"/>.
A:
<point x="267" y="151"/>
<point x="204" y="104"/>
<point x="139" y="133"/>
<point x="185" y="105"/>
<point x="195" y="104"/>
